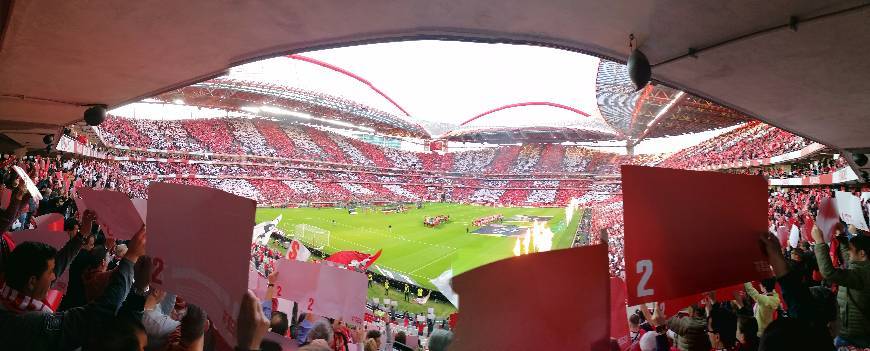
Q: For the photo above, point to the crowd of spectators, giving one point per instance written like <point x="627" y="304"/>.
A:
<point x="752" y="141"/>
<point x="213" y="134"/>
<point x="527" y="158"/>
<point x="250" y="138"/>
<point x="542" y="196"/>
<point x="808" y="280"/>
<point x="504" y="159"/>
<point x="551" y="159"/>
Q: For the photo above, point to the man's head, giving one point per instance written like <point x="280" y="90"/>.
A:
<point x="696" y="311"/>
<point x="279" y="323"/>
<point x="71" y="226"/>
<point x="320" y="330"/>
<point x="30" y="269"/>
<point x="98" y="259"/>
<point x="791" y="334"/>
<point x="374" y="334"/>
<point x="119" y="334"/>
<point x="859" y="248"/>
<point x="722" y="328"/>
<point x="768" y="285"/>
<point x="401" y="338"/>
<point x="193" y="325"/>
<point x="634" y="322"/>
<point x="440" y="340"/>
<point x="747" y="328"/>
<point x="796" y="254"/>
<point x="89" y="243"/>
<point x="120" y="250"/>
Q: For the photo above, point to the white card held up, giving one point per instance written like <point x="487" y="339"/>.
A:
<point x="850" y="209"/>
<point x="114" y="211"/>
<point x="31" y="187"/>
<point x="199" y="239"/>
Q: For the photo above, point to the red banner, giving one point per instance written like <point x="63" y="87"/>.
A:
<point x="51" y="222"/>
<point x="568" y="307"/>
<point x="354" y="259"/>
<point x="687" y="232"/>
<point x="618" y="314"/>
<point x="827" y="219"/>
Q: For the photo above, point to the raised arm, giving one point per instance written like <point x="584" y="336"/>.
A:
<point x="844" y="277"/>
<point x="19" y="196"/>
<point x="761" y="299"/>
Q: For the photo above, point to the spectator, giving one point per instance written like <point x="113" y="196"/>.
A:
<point x="189" y="335"/>
<point x="766" y="302"/>
<point x="373" y="340"/>
<point x="747" y="333"/>
<point x="29" y="271"/>
<point x="853" y="295"/>
<point x="158" y="326"/>
<point x="401" y="343"/>
<point x="691" y="329"/>
<point x="440" y="340"/>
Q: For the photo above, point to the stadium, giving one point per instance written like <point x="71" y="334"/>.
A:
<point x="409" y="160"/>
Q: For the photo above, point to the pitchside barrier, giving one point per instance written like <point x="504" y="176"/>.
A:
<point x="312" y="236"/>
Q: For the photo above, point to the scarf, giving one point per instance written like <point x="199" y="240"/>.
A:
<point x="19" y="303"/>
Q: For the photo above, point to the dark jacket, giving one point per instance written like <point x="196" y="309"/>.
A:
<point x="70" y="329"/>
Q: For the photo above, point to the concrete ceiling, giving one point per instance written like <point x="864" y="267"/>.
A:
<point x="57" y="56"/>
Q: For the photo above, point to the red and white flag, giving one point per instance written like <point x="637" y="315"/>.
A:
<point x="354" y="259"/>
<point x="298" y="252"/>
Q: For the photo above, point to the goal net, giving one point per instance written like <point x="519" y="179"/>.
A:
<point x="312" y="236"/>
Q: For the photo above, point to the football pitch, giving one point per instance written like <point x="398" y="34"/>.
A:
<point x="414" y="250"/>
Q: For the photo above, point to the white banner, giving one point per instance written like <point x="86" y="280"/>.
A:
<point x="442" y="282"/>
<point x="850" y="209"/>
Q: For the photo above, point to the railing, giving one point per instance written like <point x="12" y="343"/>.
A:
<point x="842" y="175"/>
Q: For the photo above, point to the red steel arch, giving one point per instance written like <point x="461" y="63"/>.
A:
<point x="531" y="103"/>
<point x="349" y="74"/>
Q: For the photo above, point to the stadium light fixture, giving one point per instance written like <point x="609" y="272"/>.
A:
<point x="178" y="101"/>
<point x="639" y="69"/>
<point x="285" y="112"/>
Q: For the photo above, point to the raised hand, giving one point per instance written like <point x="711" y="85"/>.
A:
<point x="136" y="246"/>
<point x="142" y="272"/>
<point x="251" y="324"/>
<point x="154" y="298"/>
<point x="817" y="235"/>
<point x="774" y="254"/>
<point x="88" y="219"/>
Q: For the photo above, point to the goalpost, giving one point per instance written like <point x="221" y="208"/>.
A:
<point x="312" y="236"/>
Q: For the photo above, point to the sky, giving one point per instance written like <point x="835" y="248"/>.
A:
<point x="448" y="81"/>
<point x="452" y="82"/>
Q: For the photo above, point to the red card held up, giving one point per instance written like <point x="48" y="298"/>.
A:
<point x="688" y="232"/>
<point x="560" y="297"/>
<point x="828" y="219"/>
<point x="51" y="222"/>
<point x="618" y="316"/>
<point x="114" y="211"/>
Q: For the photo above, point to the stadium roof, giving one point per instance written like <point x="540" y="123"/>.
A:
<point x="285" y="102"/>
<point x="803" y="75"/>
<point x="657" y="110"/>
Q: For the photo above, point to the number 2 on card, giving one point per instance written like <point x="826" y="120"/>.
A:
<point x="645" y="267"/>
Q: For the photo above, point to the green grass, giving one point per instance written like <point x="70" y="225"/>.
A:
<point x="413" y="249"/>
